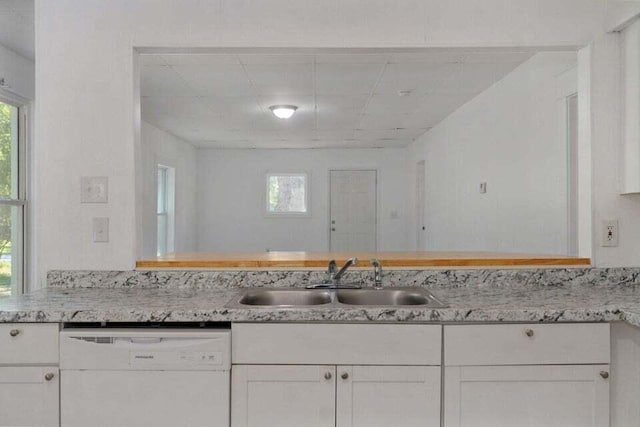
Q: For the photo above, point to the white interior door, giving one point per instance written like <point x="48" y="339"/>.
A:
<point x="283" y="396"/>
<point x="421" y="229"/>
<point x="532" y="396"/>
<point x="383" y="396"/>
<point x="353" y="210"/>
<point x="27" y="398"/>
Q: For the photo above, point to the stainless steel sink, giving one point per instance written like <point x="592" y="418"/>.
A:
<point x="300" y="297"/>
<point x="388" y="297"/>
<point x="285" y="297"/>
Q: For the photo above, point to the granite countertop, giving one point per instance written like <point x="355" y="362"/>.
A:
<point x="558" y="303"/>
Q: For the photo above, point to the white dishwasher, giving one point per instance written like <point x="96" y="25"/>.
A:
<point x="145" y="377"/>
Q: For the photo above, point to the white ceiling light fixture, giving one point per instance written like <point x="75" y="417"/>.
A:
<point x="283" y="111"/>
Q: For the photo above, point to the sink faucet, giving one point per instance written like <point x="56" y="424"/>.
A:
<point x="377" y="273"/>
<point x="335" y="277"/>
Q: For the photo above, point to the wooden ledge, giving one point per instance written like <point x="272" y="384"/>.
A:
<point x="234" y="260"/>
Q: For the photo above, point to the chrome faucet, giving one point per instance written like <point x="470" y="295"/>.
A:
<point x="335" y="278"/>
<point x="334" y="275"/>
<point x="377" y="273"/>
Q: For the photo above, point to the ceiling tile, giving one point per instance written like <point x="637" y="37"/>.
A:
<point x="418" y="77"/>
<point x="199" y="59"/>
<point x="281" y="79"/>
<point x="346" y="79"/>
<point x="220" y="80"/>
<point x="163" y="81"/>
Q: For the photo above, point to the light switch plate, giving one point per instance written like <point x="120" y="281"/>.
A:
<point x="100" y="230"/>
<point x="94" y="189"/>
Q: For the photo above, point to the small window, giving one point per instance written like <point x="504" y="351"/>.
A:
<point x="165" y="210"/>
<point x="287" y="194"/>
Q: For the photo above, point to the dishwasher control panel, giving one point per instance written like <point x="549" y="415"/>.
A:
<point x="145" y="349"/>
<point x="185" y="358"/>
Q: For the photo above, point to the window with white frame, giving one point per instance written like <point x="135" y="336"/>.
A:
<point x="287" y="194"/>
<point x="165" y="210"/>
<point x="12" y="198"/>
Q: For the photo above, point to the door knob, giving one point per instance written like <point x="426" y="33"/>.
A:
<point x="604" y="374"/>
<point x="528" y="332"/>
<point x="333" y="229"/>
<point x="49" y="376"/>
<point x="327" y="375"/>
<point x="14" y="332"/>
<point x="345" y="375"/>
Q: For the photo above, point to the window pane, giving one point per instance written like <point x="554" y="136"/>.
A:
<point x="10" y="233"/>
<point x="162" y="190"/>
<point x="162" y="235"/>
<point x="8" y="151"/>
<point x="287" y="193"/>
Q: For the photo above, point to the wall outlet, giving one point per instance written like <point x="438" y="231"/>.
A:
<point x="483" y="187"/>
<point x="100" y="230"/>
<point x="610" y="233"/>
<point x="94" y="189"/>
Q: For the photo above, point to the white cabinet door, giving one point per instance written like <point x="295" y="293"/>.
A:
<point x="531" y="396"/>
<point x="29" y="397"/>
<point x="385" y="396"/>
<point x="282" y="396"/>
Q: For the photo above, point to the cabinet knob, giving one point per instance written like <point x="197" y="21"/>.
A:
<point x="14" y="332"/>
<point x="528" y="332"/>
<point x="327" y="375"/>
<point x="604" y="374"/>
<point x="49" y="376"/>
<point x="344" y="375"/>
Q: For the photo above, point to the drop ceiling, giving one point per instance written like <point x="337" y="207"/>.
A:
<point x="381" y="99"/>
<point x="17" y="31"/>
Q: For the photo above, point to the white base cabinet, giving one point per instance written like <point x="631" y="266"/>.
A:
<point x="29" y="396"/>
<point x="531" y="396"/>
<point x="384" y="396"/>
<point x="327" y="396"/>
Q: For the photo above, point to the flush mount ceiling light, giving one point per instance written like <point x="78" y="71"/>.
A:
<point x="283" y="111"/>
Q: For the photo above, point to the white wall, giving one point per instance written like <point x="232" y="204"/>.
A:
<point x="512" y="137"/>
<point x="231" y="186"/>
<point x="606" y="144"/>
<point x="161" y="147"/>
<point x="85" y="73"/>
<point x="18" y="72"/>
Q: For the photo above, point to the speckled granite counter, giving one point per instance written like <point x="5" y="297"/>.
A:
<point x="556" y="303"/>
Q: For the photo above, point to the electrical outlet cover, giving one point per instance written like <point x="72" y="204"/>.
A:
<point x="610" y="233"/>
<point x="94" y="189"/>
<point x="100" y="230"/>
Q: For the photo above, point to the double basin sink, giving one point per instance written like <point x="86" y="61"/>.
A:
<point x="297" y="297"/>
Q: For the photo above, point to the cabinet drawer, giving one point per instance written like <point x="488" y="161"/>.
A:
<point x="28" y="343"/>
<point x="336" y="344"/>
<point x="523" y="344"/>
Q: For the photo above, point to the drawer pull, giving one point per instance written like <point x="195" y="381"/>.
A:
<point x="345" y="375"/>
<point x="49" y="376"/>
<point x="14" y="332"/>
<point x="604" y="374"/>
<point x="327" y="376"/>
<point x="528" y="332"/>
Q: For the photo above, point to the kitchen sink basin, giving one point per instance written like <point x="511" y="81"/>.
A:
<point x="285" y="297"/>
<point x="388" y="297"/>
<point x="300" y="297"/>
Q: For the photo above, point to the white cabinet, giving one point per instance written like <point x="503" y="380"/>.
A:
<point x="532" y="396"/>
<point x="29" y="396"/>
<point x="283" y="396"/>
<point x="526" y="375"/>
<point x="359" y="396"/>
<point x="29" y="379"/>
<point x="382" y="396"/>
